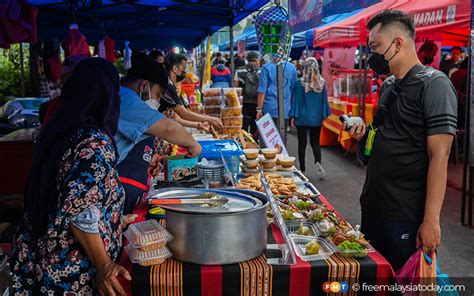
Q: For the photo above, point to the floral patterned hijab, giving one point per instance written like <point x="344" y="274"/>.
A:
<point x="312" y="80"/>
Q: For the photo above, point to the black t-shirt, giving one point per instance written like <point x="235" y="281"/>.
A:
<point x="396" y="181"/>
<point x="170" y="98"/>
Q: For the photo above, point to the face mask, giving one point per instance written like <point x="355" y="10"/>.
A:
<point x="181" y="76"/>
<point x="428" y="60"/>
<point x="153" y="104"/>
<point x="378" y="63"/>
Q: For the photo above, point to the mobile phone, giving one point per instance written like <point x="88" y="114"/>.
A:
<point x="351" y="121"/>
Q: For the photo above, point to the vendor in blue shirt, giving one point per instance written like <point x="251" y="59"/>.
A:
<point x="309" y="108"/>
<point x="268" y="91"/>
<point x="137" y="128"/>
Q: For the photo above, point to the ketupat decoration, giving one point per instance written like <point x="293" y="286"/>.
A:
<point x="273" y="32"/>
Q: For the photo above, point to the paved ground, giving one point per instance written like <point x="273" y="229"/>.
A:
<point x="342" y="188"/>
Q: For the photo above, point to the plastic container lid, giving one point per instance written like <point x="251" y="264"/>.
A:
<point x="147" y="258"/>
<point x="213" y="149"/>
<point x="147" y="233"/>
<point x="299" y="242"/>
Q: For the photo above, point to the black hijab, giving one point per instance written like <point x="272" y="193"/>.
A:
<point x="89" y="98"/>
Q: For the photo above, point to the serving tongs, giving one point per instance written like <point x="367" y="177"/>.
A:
<point x="214" y="201"/>
<point x="278" y="217"/>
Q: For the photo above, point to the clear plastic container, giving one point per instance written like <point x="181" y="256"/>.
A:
<point x="212" y="101"/>
<point x="352" y="253"/>
<point x="147" y="235"/>
<point x="294" y="226"/>
<point x="231" y="98"/>
<point x="233" y="120"/>
<point x="231" y="111"/>
<point x="211" y="92"/>
<point x="238" y="90"/>
<point x="148" y="258"/>
<point x="231" y="130"/>
<point x="299" y="242"/>
<point x="213" y="110"/>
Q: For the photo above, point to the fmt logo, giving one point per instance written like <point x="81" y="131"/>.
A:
<point x="335" y="287"/>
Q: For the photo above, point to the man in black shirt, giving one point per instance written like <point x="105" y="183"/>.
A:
<point x="406" y="176"/>
<point x="453" y="63"/>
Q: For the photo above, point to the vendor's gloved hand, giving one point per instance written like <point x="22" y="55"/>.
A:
<point x="194" y="150"/>
<point x="106" y="279"/>
<point x="216" y="122"/>
<point x="203" y="126"/>
<point x="357" y="131"/>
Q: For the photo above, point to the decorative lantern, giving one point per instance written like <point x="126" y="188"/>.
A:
<point x="273" y="32"/>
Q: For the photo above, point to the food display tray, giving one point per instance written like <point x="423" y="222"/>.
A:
<point x="299" y="242"/>
<point x="294" y="225"/>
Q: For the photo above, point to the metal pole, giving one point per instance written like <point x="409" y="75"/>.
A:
<point x="359" y="93"/>
<point x="364" y="85"/>
<point x="22" y="69"/>
<point x="281" y="102"/>
<point x="231" y="43"/>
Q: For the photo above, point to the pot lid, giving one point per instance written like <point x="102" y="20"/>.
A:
<point x="237" y="202"/>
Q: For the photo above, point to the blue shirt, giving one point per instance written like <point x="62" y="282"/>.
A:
<point x="268" y="86"/>
<point x="311" y="108"/>
<point x="135" y="119"/>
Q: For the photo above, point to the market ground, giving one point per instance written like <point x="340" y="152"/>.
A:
<point x="342" y="187"/>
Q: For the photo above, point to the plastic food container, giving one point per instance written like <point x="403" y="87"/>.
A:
<point x="251" y="153"/>
<point x="294" y="226"/>
<point x="231" y="111"/>
<point x="268" y="163"/>
<point x="270" y="153"/>
<point x="211" y="92"/>
<point x="231" y="130"/>
<point x="299" y="242"/>
<point x="212" y="101"/>
<point x="237" y="89"/>
<point x="215" y="149"/>
<point x="251" y="163"/>
<point x="147" y="235"/>
<point x="148" y="258"/>
<point x="216" y="110"/>
<point x="286" y="161"/>
<point x="353" y="253"/>
<point x="233" y="120"/>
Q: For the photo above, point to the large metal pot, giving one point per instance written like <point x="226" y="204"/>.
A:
<point x="217" y="238"/>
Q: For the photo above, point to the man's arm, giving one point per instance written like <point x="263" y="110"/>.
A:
<point x="439" y="147"/>
<point x="175" y="133"/>
<point x="192" y="116"/>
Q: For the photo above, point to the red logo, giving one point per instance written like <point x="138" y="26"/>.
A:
<point x="327" y="287"/>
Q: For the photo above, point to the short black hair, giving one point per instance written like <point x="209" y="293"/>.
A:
<point x="156" y="53"/>
<point x="428" y="46"/>
<point x="390" y="17"/>
<point x="174" y="59"/>
<point x="456" y="47"/>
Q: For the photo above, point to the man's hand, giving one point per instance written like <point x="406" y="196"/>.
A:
<point x="216" y="122"/>
<point x="155" y="166"/>
<point x="203" y="126"/>
<point x="194" y="150"/>
<point x="429" y="236"/>
<point x="357" y="131"/>
<point x="259" y="115"/>
<point x="292" y="122"/>
<point x="106" y="279"/>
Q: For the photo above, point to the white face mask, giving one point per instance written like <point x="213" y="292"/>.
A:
<point x="153" y="104"/>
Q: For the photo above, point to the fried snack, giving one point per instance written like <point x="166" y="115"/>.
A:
<point x="231" y="99"/>
<point x="212" y="92"/>
<point x="212" y="101"/>
<point x="233" y="121"/>
<point x="231" y="130"/>
<point x="231" y="111"/>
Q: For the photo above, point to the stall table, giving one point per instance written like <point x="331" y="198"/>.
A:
<point x="331" y="131"/>
<point x="254" y="277"/>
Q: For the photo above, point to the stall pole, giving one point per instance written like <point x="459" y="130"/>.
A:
<point x="22" y="69"/>
<point x="231" y="43"/>
<point x="359" y="93"/>
<point x="364" y="85"/>
<point x="468" y="138"/>
<point x="281" y="103"/>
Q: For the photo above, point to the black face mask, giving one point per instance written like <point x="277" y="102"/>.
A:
<point x="378" y="63"/>
<point x="181" y="76"/>
<point x="428" y="60"/>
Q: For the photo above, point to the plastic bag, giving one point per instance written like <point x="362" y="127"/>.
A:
<point x="409" y="274"/>
<point x="443" y="281"/>
<point x="428" y="273"/>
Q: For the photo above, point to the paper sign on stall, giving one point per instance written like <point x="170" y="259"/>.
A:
<point x="270" y="135"/>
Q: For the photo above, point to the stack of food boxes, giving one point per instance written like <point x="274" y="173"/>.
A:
<point x="226" y="104"/>
<point x="147" y="243"/>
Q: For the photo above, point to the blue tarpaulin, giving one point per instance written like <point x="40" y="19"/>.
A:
<point x="145" y="23"/>
<point x="307" y="14"/>
<point x="300" y="40"/>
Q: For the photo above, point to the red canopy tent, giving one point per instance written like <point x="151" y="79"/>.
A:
<point x="450" y="17"/>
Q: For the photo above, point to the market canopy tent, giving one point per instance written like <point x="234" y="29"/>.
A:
<point x="451" y="18"/>
<point x="145" y="23"/>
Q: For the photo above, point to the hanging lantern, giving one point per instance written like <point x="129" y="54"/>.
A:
<point x="273" y="32"/>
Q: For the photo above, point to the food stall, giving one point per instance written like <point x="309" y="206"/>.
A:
<point x="444" y="23"/>
<point x="250" y="223"/>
